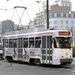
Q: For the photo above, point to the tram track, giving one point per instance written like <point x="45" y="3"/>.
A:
<point x="0" y="63"/>
<point x="5" y="65"/>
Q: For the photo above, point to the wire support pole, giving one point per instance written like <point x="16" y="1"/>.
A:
<point x="47" y="14"/>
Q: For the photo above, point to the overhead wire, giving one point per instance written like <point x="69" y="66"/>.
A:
<point x="4" y="10"/>
<point x="4" y="5"/>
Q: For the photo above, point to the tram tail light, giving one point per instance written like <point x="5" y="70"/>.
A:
<point x="5" y="50"/>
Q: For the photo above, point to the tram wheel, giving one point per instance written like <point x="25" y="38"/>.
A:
<point x="69" y="63"/>
<point x="37" y="62"/>
<point x="9" y="59"/>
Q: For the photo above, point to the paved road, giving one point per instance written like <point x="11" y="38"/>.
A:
<point x="26" y="69"/>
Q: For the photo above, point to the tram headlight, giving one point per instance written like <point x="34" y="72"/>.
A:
<point x="62" y="56"/>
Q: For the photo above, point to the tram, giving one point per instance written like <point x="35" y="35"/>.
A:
<point x="44" y="47"/>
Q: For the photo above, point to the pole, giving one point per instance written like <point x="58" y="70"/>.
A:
<point x="47" y="14"/>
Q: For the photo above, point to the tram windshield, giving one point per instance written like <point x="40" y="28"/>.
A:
<point x="62" y="42"/>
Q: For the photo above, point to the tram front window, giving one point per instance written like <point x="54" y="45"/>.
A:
<point x="62" y="42"/>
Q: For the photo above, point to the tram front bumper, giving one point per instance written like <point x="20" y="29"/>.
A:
<point x="66" y="60"/>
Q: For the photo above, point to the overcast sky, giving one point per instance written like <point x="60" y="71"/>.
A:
<point x="32" y="9"/>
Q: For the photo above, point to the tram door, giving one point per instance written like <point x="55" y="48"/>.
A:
<point x="20" y="48"/>
<point x="47" y="49"/>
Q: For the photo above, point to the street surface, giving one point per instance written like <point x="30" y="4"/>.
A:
<point x="15" y="68"/>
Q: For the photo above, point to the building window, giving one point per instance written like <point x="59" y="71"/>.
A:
<point x="67" y="28"/>
<point x="64" y="15"/>
<point x="52" y="15"/>
<point x="72" y="22"/>
<point x="69" y="15"/>
<point x="67" y="4"/>
<point x="61" y="22"/>
<point x="66" y="22"/>
<point x="58" y="15"/>
<point x="55" y="22"/>
<point x="74" y="15"/>
<point x="63" y="4"/>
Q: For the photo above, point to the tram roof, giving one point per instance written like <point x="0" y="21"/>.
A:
<point x="31" y="31"/>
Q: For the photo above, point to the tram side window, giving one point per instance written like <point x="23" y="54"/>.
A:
<point x="49" y="41"/>
<point x="25" y="42"/>
<point x="6" y="42"/>
<point x="43" y="41"/>
<point x="15" y="43"/>
<point x="11" y="43"/>
<point x="37" y="42"/>
<point x="31" y="42"/>
<point x="3" y="42"/>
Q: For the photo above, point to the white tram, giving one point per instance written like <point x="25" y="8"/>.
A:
<point x="49" y="47"/>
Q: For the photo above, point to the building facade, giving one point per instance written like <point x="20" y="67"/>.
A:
<point x="60" y="16"/>
<point x="5" y="26"/>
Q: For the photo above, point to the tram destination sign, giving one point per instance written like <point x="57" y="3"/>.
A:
<point x="64" y="33"/>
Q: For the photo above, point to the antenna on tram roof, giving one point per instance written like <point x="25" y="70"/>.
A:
<point x="20" y="18"/>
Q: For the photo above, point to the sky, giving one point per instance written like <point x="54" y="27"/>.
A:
<point x="7" y="10"/>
